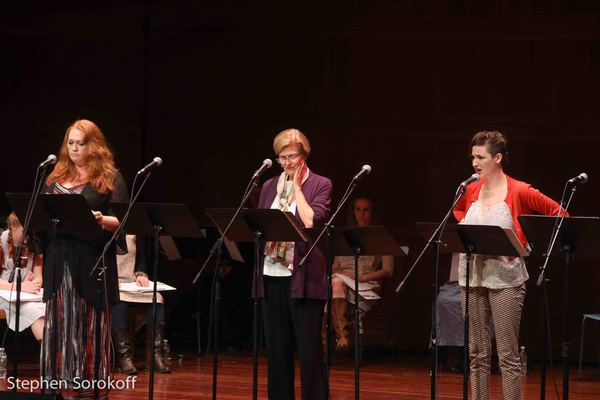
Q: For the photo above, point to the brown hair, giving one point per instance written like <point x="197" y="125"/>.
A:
<point x="495" y="142"/>
<point x="12" y="221"/>
<point x="290" y="137"/>
<point x="99" y="160"/>
<point x="351" y="218"/>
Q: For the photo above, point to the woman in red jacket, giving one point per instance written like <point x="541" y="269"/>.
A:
<point x="497" y="283"/>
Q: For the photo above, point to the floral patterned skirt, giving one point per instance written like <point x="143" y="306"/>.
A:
<point x="75" y="332"/>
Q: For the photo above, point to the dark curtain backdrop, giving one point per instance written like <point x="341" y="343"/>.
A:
<point x="401" y="85"/>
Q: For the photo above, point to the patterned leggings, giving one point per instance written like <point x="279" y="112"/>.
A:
<point x="503" y="308"/>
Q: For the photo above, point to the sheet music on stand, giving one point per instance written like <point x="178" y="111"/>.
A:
<point x="582" y="231"/>
<point x="57" y="205"/>
<point x="365" y="289"/>
<point x="503" y="240"/>
<point x="272" y="221"/>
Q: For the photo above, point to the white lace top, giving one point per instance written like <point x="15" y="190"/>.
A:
<point x="493" y="272"/>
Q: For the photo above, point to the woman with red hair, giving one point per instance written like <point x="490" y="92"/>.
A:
<point x="77" y="299"/>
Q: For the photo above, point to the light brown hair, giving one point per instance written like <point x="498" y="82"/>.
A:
<point x="290" y="137"/>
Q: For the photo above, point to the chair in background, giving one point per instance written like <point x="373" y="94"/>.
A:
<point x="593" y="317"/>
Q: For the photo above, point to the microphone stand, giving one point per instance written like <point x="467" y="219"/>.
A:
<point x="542" y="281"/>
<point x="434" y="241"/>
<point x="101" y="279"/>
<point x="37" y="188"/>
<point x="329" y="228"/>
<point x="213" y="332"/>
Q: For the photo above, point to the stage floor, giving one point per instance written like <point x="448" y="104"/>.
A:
<point x="405" y="376"/>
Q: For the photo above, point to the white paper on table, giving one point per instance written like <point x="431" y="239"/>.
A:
<point x="365" y="289"/>
<point x="362" y="286"/>
<point x="11" y="295"/>
<point x="132" y="287"/>
<point x="369" y="295"/>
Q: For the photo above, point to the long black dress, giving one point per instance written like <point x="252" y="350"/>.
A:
<point x="81" y="300"/>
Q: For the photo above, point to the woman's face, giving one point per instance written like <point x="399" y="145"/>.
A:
<point x="76" y="147"/>
<point x="363" y="211"/>
<point x="290" y="158"/>
<point x="483" y="162"/>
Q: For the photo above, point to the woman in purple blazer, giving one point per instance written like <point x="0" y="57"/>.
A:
<point x="293" y="296"/>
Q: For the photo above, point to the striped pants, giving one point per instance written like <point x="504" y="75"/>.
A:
<point x="502" y="308"/>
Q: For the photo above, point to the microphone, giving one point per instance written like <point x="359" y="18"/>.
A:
<point x="581" y="178"/>
<point x="365" y="170"/>
<point x="473" y="178"/>
<point x="150" y="166"/>
<point x="266" y="164"/>
<point x="51" y="160"/>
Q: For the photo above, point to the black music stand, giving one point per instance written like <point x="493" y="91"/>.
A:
<point x="154" y="220"/>
<point x="449" y="242"/>
<point x="489" y="240"/>
<point x="577" y="234"/>
<point x="474" y="239"/>
<point x="256" y="225"/>
<point x="373" y="240"/>
<point x="19" y="203"/>
<point x="64" y="213"/>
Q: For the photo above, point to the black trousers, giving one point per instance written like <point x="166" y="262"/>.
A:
<point x="293" y="324"/>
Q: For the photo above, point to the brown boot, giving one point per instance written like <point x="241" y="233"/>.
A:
<point x="340" y="324"/>
<point x="124" y="350"/>
<point x="161" y="362"/>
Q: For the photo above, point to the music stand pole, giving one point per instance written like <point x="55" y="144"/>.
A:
<point x="357" y="337"/>
<point x="37" y="188"/>
<point x="257" y="236"/>
<point x="565" y="347"/>
<point x="157" y="230"/>
<point x="545" y="315"/>
<point x="358" y="241"/>
<point x="328" y="227"/>
<point x="97" y="333"/>
<point x="16" y="337"/>
<point x="269" y="225"/>
<point x="466" y="358"/>
<point x="434" y="242"/>
<point x="54" y="344"/>
<point x="328" y="330"/>
<point x="215" y="286"/>
<point x="154" y="220"/>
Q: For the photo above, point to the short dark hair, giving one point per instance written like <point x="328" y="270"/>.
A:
<point x="495" y="141"/>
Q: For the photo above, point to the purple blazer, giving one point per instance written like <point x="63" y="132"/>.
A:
<point x="310" y="280"/>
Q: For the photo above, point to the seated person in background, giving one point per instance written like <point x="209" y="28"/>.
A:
<point x="132" y="269"/>
<point x="450" y="321"/>
<point x="372" y="269"/>
<point x="31" y="312"/>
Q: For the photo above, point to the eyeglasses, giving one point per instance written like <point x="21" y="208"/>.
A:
<point x="291" y="157"/>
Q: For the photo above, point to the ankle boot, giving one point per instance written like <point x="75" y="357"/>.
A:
<point x="124" y="351"/>
<point x="340" y="324"/>
<point x="161" y="363"/>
